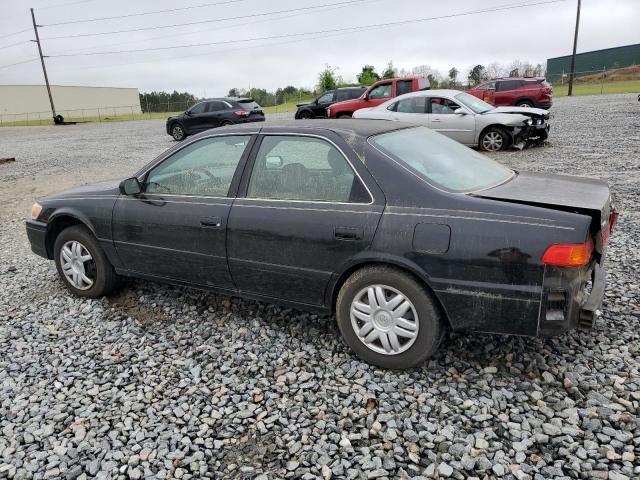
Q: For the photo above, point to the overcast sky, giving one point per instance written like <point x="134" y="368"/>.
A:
<point x="532" y="33"/>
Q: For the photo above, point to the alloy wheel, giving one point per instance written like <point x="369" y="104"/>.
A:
<point x="78" y="265"/>
<point x="177" y="132"/>
<point x="492" y="141"/>
<point x="384" y="319"/>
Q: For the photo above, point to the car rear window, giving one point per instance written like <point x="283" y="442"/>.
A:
<point x="440" y="161"/>
<point x="248" y="104"/>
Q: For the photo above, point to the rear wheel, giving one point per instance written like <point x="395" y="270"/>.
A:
<point x="524" y="103"/>
<point x="493" y="139"/>
<point x="82" y="264"/>
<point x="388" y="318"/>
<point x="177" y="132"/>
<point x="345" y="115"/>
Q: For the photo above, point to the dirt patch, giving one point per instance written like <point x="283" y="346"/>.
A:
<point x="125" y="304"/>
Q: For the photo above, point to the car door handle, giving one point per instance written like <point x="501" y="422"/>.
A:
<point x="346" y="233"/>
<point x="211" y="222"/>
<point x="435" y="120"/>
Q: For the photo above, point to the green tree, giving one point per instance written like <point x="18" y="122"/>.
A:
<point x="368" y="75"/>
<point x="233" y="92"/>
<point x="390" y="72"/>
<point x="327" y="79"/>
<point x="477" y="74"/>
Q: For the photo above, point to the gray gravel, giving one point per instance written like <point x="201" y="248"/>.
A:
<point x="169" y="382"/>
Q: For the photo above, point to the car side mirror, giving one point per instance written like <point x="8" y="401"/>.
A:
<point x="274" y="162"/>
<point x="130" y="186"/>
<point x="460" y="111"/>
<point x="188" y="113"/>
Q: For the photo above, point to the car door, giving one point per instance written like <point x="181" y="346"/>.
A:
<point x="176" y="228"/>
<point x="443" y="119"/>
<point x="379" y="94"/>
<point x="504" y="94"/>
<point x="216" y="113"/>
<point x="410" y="110"/>
<point x="324" y="100"/>
<point x="196" y="119"/>
<point x="308" y="210"/>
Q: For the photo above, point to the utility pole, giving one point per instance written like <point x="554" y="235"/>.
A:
<point x="44" y="69"/>
<point x="573" y="56"/>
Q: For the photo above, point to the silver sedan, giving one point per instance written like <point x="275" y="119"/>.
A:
<point x="465" y="118"/>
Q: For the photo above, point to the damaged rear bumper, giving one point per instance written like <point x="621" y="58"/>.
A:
<point x="571" y="300"/>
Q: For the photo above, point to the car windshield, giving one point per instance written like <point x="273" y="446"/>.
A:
<point x="441" y="161"/>
<point x="474" y="103"/>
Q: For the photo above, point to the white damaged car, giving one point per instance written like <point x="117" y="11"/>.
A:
<point x="465" y="118"/>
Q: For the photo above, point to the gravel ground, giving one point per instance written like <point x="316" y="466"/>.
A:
<point x="167" y="382"/>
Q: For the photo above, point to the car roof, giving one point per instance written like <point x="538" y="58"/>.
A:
<point x="427" y="93"/>
<point x="359" y="127"/>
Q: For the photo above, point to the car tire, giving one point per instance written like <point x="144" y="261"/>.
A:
<point x="92" y="277"/>
<point x="226" y="123"/>
<point x="305" y="115"/>
<point x="178" y="132"/>
<point x="524" y="103"/>
<point x="493" y="139"/>
<point x="423" y="329"/>
<point x="345" y="115"/>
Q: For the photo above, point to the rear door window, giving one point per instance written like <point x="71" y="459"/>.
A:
<point x="404" y="86"/>
<point x="303" y="168"/>
<point x="350" y="94"/>
<point x="509" y="85"/>
<point x="216" y="106"/>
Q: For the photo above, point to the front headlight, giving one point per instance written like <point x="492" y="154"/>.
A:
<point x="529" y="122"/>
<point x="36" y="209"/>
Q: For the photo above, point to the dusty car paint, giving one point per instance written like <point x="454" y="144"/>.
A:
<point x="478" y="252"/>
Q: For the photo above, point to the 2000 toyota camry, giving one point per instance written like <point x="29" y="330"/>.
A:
<point x="402" y="232"/>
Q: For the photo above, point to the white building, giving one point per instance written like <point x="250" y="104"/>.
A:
<point x="31" y="102"/>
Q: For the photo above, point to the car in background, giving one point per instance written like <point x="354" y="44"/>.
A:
<point x="318" y="107"/>
<point x="400" y="231"/>
<point x="520" y="92"/>
<point x="465" y="118"/>
<point x="379" y="92"/>
<point x="212" y="113"/>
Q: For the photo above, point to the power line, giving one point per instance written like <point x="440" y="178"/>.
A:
<point x="290" y="35"/>
<point x="14" y="44"/>
<point x="15" y="33"/>
<point x="143" y="13"/>
<point x="19" y="63"/>
<point x="224" y="27"/>
<point x="199" y="22"/>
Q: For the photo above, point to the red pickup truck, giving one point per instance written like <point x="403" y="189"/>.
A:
<point x="379" y="92"/>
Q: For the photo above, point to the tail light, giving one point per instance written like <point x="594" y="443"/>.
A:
<point x="242" y="113"/>
<point x="569" y="254"/>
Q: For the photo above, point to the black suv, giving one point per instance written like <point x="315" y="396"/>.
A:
<point x="318" y="108"/>
<point x="212" y="113"/>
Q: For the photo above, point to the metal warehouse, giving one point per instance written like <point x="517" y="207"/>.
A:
<point x="30" y="102"/>
<point x="596" y="60"/>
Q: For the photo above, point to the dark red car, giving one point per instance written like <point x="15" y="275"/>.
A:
<point x="521" y="92"/>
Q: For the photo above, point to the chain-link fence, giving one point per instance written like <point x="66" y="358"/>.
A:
<point x="598" y="81"/>
<point x="271" y="104"/>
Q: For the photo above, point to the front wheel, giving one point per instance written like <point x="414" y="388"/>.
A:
<point x="494" y="139"/>
<point x="82" y="264"/>
<point x="177" y="132"/>
<point x="345" y="115"/>
<point x="305" y="115"/>
<point x="388" y="319"/>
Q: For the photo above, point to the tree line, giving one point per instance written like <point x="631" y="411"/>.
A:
<point x="329" y="79"/>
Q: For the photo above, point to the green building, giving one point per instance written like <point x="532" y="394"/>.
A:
<point x="595" y="61"/>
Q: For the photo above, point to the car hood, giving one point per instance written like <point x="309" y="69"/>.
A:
<point x="362" y="112"/>
<point x="529" y="112"/>
<point x="303" y="104"/>
<point x="102" y="189"/>
<point x="560" y="192"/>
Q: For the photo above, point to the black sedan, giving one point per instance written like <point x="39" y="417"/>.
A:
<point x="212" y="113"/>
<point x="400" y="231"/>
